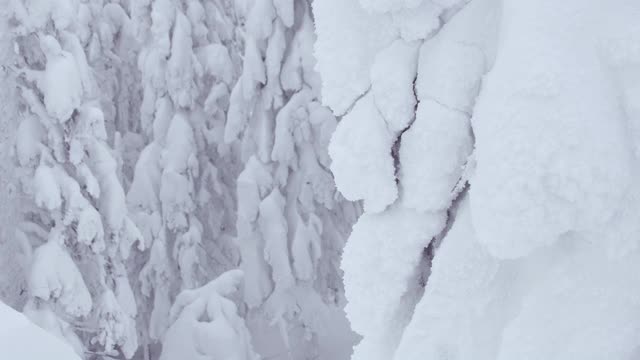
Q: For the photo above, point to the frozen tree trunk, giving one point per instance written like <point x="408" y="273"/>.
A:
<point x="469" y="131"/>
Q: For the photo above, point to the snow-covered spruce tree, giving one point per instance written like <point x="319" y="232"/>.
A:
<point x="291" y="222"/>
<point x="14" y="252"/>
<point x="77" y="220"/>
<point x="181" y="196"/>
<point x="401" y="147"/>
<point x="496" y="175"/>
<point x="204" y="323"/>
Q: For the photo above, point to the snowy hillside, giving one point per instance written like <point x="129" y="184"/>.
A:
<point x="320" y="179"/>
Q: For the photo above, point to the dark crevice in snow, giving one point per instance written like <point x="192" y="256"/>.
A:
<point x="353" y="104"/>
<point x="418" y="282"/>
<point x="468" y="168"/>
<point x="448" y="107"/>
<point x="415" y="290"/>
<point x="451" y="217"/>
<point x="395" y="154"/>
<point x="395" y="149"/>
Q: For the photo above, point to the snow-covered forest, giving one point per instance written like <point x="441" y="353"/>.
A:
<point x="320" y="179"/>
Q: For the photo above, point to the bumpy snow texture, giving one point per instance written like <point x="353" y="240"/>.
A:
<point x="499" y="218"/>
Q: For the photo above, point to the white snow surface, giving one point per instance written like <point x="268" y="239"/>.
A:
<point x="20" y="339"/>
<point x="384" y="6"/>
<point x="418" y="23"/>
<point x="564" y="162"/>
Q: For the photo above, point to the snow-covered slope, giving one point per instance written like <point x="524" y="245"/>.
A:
<point x="20" y="339"/>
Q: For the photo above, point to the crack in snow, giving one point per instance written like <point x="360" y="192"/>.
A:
<point x="353" y="104"/>
<point x="395" y="149"/>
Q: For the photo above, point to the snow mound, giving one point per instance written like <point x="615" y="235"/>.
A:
<point x="418" y="23"/>
<point x="55" y="276"/>
<point x="398" y="238"/>
<point x="348" y="40"/>
<point x="61" y="84"/>
<point x="361" y="152"/>
<point x="433" y="153"/>
<point x="20" y="339"/>
<point x="563" y="161"/>
<point x="455" y="296"/>
<point x="206" y="325"/>
<point x="392" y="77"/>
<point x="576" y="310"/>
